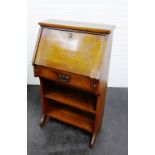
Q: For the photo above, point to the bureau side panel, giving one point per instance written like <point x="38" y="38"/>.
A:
<point x="103" y="84"/>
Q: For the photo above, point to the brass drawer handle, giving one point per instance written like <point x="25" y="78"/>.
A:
<point x="63" y="78"/>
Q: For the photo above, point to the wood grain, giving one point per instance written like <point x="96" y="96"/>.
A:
<point x="69" y="51"/>
<point x="75" y="80"/>
<point x="73" y="98"/>
<point x="86" y="27"/>
<point x="72" y="61"/>
<point x="71" y="117"/>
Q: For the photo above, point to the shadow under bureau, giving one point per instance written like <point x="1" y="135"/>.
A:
<point x="71" y="60"/>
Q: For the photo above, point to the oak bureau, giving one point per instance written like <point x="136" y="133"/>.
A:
<point x="71" y="60"/>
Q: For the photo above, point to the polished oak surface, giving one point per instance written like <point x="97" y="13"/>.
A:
<point x="74" y="98"/>
<point x="74" y="52"/>
<point x="69" y="116"/>
<point x="80" y="26"/>
<point x="72" y="62"/>
<point x="74" y="80"/>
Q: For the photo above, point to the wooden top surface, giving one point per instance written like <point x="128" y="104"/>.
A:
<point x="90" y="27"/>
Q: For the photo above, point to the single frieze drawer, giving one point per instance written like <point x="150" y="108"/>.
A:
<point x="74" y="80"/>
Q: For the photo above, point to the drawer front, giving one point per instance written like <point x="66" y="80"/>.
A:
<point x="74" y="80"/>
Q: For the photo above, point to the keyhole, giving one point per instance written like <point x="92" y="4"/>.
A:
<point x="70" y="35"/>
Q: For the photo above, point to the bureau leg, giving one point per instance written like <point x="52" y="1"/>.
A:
<point x="43" y="120"/>
<point x="92" y="140"/>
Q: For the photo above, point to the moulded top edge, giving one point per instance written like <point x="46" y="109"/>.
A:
<point x="91" y="27"/>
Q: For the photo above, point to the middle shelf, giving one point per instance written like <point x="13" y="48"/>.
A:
<point x="71" y="97"/>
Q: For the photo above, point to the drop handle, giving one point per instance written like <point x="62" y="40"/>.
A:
<point x="63" y="78"/>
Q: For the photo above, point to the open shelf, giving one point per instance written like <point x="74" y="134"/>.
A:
<point x="70" y="97"/>
<point x="70" y="116"/>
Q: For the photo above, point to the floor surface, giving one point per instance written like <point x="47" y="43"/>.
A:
<point x="57" y="138"/>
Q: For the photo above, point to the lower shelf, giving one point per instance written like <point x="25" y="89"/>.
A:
<point x="68" y="116"/>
